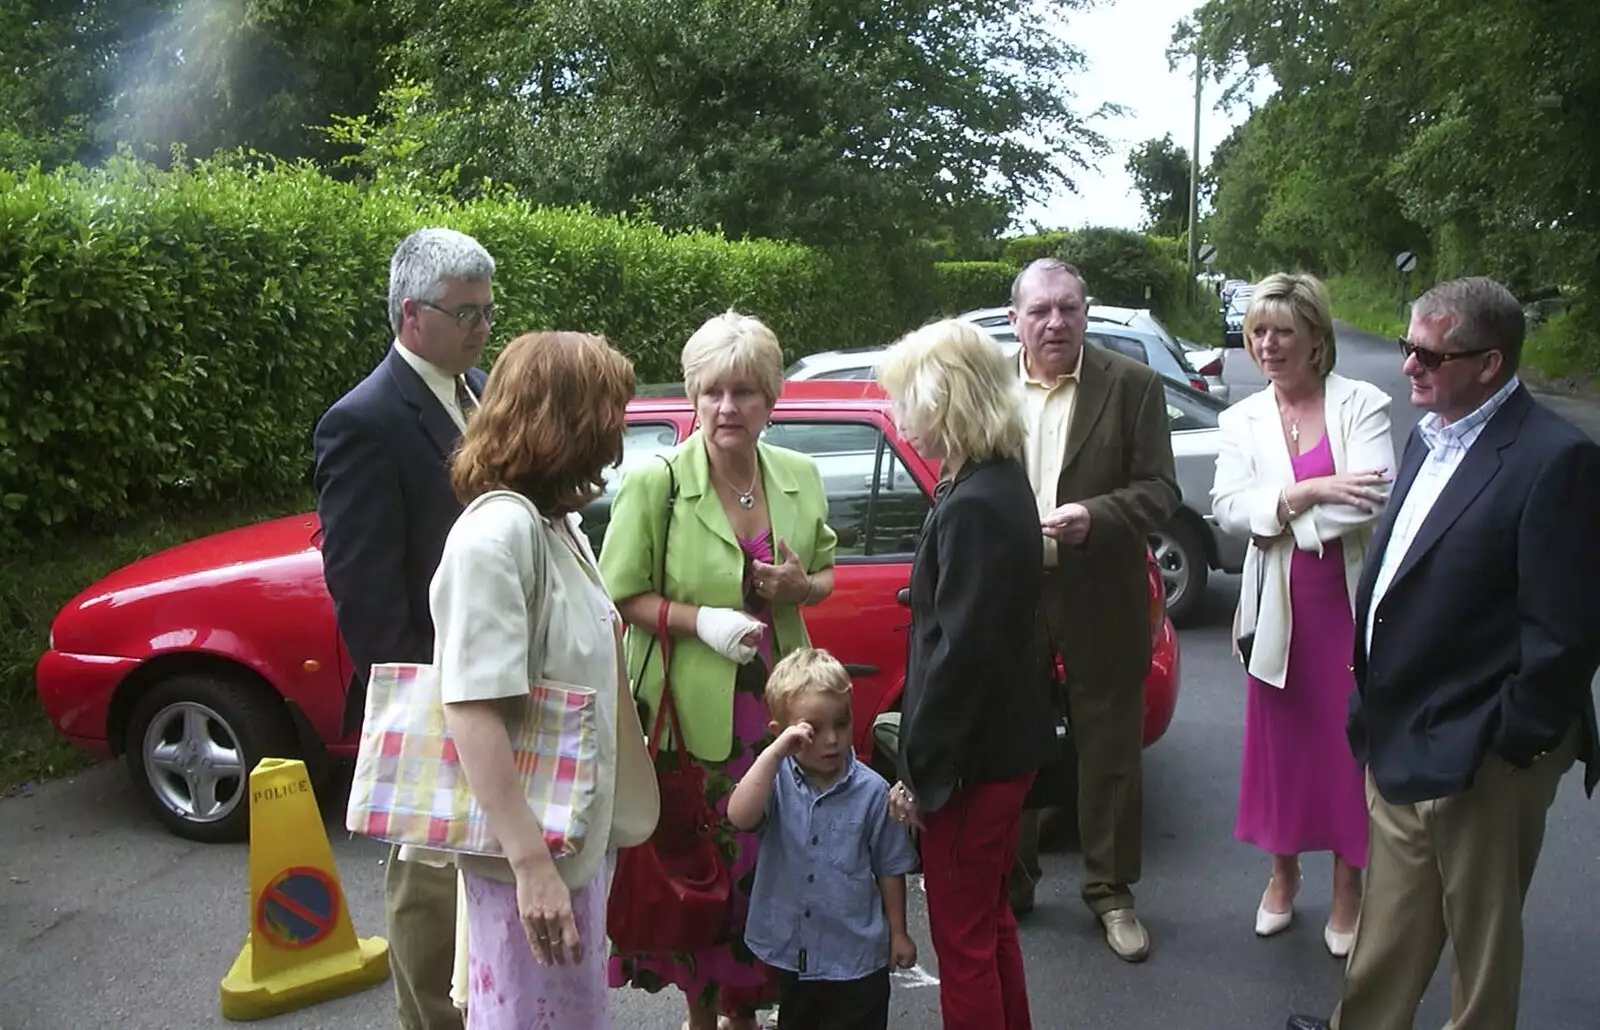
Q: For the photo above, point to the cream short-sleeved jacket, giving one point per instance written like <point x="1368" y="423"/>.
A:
<point x="518" y="598"/>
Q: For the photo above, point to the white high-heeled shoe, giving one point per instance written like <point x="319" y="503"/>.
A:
<point x="1268" y="922"/>
<point x="1339" y="944"/>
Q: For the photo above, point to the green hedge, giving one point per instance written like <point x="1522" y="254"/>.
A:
<point x="964" y="285"/>
<point x="173" y="336"/>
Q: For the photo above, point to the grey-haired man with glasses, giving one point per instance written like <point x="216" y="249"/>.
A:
<point x="386" y="506"/>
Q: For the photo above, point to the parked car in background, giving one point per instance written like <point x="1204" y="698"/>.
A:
<point x="196" y="663"/>
<point x="1132" y="333"/>
<point x="1233" y="316"/>
<point x="1209" y="362"/>
<point x="1188" y="547"/>
<point x="1228" y="287"/>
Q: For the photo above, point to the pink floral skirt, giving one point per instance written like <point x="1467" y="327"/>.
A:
<point x="507" y="989"/>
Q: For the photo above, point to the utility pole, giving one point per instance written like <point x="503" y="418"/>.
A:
<point x="1194" y="177"/>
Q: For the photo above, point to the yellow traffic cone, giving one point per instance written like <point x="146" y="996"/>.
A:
<point x="302" y="947"/>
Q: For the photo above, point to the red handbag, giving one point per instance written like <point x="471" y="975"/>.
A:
<point x="671" y="892"/>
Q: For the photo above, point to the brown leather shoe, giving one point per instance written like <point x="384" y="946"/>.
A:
<point x="1126" y="935"/>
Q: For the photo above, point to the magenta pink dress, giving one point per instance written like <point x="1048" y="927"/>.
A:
<point x="1299" y="787"/>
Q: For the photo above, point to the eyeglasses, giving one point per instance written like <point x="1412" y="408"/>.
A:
<point x="1432" y="359"/>
<point x="467" y="316"/>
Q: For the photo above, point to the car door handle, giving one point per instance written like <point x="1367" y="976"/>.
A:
<point x="904" y="596"/>
<point x="860" y="670"/>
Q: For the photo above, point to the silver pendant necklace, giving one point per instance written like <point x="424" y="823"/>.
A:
<point x="747" y="498"/>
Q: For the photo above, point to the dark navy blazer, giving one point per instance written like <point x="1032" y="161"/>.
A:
<point x="1489" y="634"/>
<point x="385" y="503"/>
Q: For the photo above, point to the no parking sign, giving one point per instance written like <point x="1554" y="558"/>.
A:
<point x="299" y="908"/>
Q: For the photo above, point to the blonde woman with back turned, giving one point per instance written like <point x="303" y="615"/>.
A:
<point x="977" y="721"/>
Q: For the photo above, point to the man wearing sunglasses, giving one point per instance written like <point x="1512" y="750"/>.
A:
<point x="386" y="506"/>
<point x="1476" y="641"/>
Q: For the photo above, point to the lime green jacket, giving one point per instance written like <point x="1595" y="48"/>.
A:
<point x="705" y="566"/>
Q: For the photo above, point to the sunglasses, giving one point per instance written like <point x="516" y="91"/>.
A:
<point x="1432" y="359"/>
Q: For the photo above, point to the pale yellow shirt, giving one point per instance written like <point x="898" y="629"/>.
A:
<point x="1047" y="409"/>
<point x="441" y="383"/>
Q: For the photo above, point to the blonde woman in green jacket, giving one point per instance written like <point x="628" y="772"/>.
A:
<point x="749" y="546"/>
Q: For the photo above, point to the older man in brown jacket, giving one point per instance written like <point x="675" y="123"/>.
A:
<point x="1099" y="456"/>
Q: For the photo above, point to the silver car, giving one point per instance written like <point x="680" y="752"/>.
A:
<point x="1189" y="546"/>
<point x="1133" y="332"/>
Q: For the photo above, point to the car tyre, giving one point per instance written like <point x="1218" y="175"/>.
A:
<point x="1181" y="557"/>
<point x="191" y="743"/>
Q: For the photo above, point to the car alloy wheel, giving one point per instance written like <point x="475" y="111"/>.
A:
<point x="1182" y="562"/>
<point x="192" y="740"/>
<point x="193" y="762"/>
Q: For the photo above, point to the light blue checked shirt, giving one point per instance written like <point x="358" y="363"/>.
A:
<point x="1447" y="447"/>
<point x="815" y="908"/>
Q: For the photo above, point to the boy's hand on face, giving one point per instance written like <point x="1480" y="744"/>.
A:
<point x="902" y="951"/>
<point x="792" y="740"/>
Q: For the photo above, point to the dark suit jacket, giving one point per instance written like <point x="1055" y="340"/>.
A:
<point x="976" y="707"/>
<point x="1118" y="464"/>
<point x="385" y="503"/>
<point x="1489" y="634"/>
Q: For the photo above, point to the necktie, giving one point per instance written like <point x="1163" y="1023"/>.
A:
<point x="464" y="399"/>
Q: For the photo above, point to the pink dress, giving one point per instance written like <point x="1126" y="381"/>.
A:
<point x="1299" y="787"/>
<point x="725" y="977"/>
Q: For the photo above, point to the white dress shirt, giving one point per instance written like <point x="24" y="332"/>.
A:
<point x="441" y="383"/>
<point x="1447" y="448"/>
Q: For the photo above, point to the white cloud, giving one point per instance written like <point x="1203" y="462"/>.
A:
<point x="1125" y="43"/>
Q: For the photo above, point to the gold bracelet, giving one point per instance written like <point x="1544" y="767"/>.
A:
<point x="811" y="588"/>
<point x="1283" y="496"/>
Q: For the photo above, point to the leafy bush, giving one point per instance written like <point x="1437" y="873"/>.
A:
<point x="174" y="335"/>
<point x="1125" y="268"/>
<point x="1019" y="250"/>
<point x="964" y="285"/>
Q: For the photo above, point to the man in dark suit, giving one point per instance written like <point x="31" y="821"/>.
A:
<point x="1099" y="456"/>
<point x="386" y="506"/>
<point x="1476" y="640"/>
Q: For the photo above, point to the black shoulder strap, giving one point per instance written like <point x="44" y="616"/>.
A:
<point x="661" y="563"/>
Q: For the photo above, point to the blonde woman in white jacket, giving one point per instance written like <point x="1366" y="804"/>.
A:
<point x="1303" y="471"/>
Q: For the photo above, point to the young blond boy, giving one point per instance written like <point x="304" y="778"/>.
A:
<point x="828" y="908"/>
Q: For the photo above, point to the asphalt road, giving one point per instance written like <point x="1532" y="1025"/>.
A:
<point x="108" y="922"/>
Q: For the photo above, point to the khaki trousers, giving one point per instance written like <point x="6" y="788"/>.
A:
<point x="420" y="905"/>
<point x="1108" y="728"/>
<point x="1457" y="868"/>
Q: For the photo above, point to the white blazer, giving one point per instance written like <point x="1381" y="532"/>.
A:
<point x="1253" y="467"/>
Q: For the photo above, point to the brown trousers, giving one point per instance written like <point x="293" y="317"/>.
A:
<point x="420" y="904"/>
<point x="1457" y="868"/>
<point x="1108" y="728"/>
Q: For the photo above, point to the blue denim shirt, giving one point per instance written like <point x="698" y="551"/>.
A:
<point x="815" y="908"/>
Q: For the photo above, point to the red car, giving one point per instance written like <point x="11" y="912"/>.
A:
<point x="197" y="662"/>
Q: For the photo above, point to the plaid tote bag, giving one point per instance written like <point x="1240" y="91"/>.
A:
<point x="409" y="787"/>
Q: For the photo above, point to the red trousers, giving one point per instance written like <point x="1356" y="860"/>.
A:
<point x="967" y="849"/>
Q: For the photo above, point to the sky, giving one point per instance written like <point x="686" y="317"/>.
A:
<point x="1125" y="43"/>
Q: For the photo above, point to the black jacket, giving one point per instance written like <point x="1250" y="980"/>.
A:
<point x="1489" y="634"/>
<point x="976" y="705"/>
<point x="385" y="504"/>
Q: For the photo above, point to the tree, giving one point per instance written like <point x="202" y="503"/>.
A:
<point x="196" y="74"/>
<point x="1412" y="124"/>
<point x="1160" y="173"/>
<point x="829" y="121"/>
